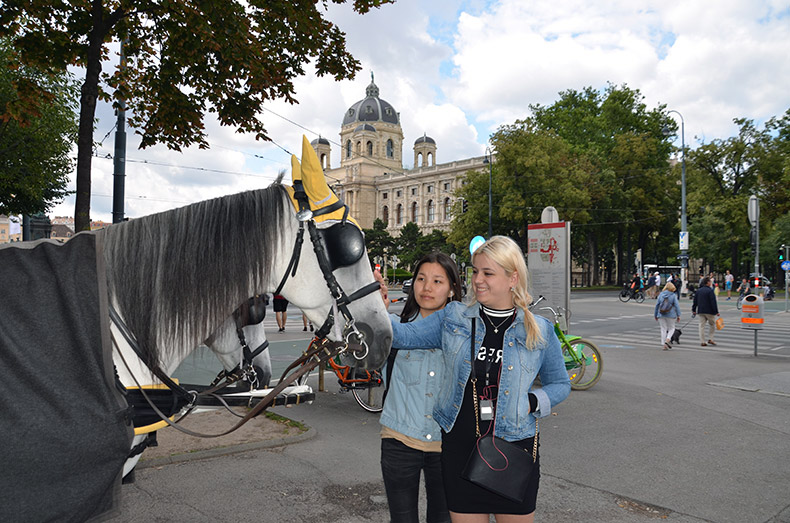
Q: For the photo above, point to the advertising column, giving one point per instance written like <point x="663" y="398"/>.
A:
<point x="549" y="261"/>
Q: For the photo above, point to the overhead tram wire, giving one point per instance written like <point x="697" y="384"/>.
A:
<point x="372" y="160"/>
<point x="109" y="156"/>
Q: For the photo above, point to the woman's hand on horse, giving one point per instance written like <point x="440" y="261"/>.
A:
<point x="382" y="288"/>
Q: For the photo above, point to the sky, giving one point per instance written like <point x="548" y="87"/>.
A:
<point x="459" y="69"/>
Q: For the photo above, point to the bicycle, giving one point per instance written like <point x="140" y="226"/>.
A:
<point x="366" y="386"/>
<point x="626" y="294"/>
<point x="741" y="296"/>
<point x="583" y="359"/>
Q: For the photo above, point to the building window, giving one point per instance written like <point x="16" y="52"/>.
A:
<point x="430" y="211"/>
<point x="446" y="186"/>
<point x="430" y="189"/>
<point x="414" y="212"/>
<point x="446" y="212"/>
<point x="385" y="215"/>
<point x="398" y="193"/>
<point x="370" y="148"/>
<point x="383" y="196"/>
<point x="399" y="215"/>
<point x="390" y="148"/>
<point x="348" y="147"/>
<point x="368" y="109"/>
<point x="359" y="148"/>
<point x="414" y="191"/>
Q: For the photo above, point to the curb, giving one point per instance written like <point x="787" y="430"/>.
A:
<point x="226" y="451"/>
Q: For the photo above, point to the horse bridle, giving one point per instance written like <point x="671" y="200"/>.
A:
<point x="341" y="300"/>
<point x="320" y="352"/>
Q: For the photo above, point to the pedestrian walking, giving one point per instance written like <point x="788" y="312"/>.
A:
<point x="493" y="369"/>
<point x="411" y="440"/>
<point x="728" y="281"/>
<point x="706" y="306"/>
<point x="306" y="323"/>
<point x="667" y="313"/>
<point x="280" y="307"/>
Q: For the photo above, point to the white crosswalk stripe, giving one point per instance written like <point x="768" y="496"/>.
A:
<point x="773" y="339"/>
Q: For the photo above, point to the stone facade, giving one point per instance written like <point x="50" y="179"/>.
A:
<point x="371" y="178"/>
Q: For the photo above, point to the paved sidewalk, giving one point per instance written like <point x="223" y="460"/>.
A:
<point x="260" y="432"/>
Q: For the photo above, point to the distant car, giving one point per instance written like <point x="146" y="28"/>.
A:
<point x="407" y="286"/>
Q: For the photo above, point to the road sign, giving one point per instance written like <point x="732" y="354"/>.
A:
<point x="786" y="265"/>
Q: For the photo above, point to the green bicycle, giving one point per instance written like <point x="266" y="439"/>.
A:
<point x="582" y="357"/>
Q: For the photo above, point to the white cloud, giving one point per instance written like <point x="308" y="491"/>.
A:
<point x="457" y="70"/>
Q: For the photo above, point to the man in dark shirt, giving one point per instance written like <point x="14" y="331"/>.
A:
<point x="706" y="306"/>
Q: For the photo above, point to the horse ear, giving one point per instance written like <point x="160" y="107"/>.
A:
<point x="296" y="169"/>
<point x="318" y="192"/>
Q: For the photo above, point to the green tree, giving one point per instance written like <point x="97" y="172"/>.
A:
<point x="723" y="175"/>
<point x="184" y="59"/>
<point x="436" y="241"/>
<point x="614" y="170"/>
<point x="378" y="241"/>
<point x="35" y="142"/>
<point x="407" y="244"/>
<point x="466" y="225"/>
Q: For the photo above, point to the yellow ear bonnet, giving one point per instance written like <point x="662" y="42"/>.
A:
<point x="319" y="195"/>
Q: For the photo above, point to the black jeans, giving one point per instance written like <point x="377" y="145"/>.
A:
<point x="401" y="467"/>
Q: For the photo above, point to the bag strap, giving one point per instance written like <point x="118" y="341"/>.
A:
<point x="473" y="379"/>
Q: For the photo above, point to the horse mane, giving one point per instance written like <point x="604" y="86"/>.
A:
<point x="174" y="274"/>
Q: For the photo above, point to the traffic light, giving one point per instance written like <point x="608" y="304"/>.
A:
<point x="782" y="253"/>
<point x="465" y="206"/>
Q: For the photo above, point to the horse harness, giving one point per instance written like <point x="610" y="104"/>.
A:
<point x="340" y="245"/>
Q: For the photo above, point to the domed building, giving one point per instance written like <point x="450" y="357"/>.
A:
<point x="371" y="178"/>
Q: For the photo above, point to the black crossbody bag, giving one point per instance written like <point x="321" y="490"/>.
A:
<point x="495" y="464"/>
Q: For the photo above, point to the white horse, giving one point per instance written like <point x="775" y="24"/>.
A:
<point x="173" y="278"/>
<point x="226" y="343"/>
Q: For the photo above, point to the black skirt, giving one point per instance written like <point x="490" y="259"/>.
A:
<point x="464" y="496"/>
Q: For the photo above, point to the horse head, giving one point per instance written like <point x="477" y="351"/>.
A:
<point x="350" y="308"/>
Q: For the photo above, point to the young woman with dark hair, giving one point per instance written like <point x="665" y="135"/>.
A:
<point x="410" y="438"/>
<point x="511" y="348"/>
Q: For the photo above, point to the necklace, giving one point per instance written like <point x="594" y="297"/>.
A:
<point x="496" y="327"/>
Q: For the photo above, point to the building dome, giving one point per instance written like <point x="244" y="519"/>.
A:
<point x="319" y="141"/>
<point x="371" y="108"/>
<point x="424" y="139"/>
<point x="365" y="127"/>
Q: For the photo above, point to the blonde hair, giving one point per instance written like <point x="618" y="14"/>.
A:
<point x="506" y="253"/>
<point x="669" y="287"/>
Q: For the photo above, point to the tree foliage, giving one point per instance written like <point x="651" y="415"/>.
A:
<point x="35" y="142"/>
<point x="378" y="241"/>
<point x="598" y="157"/>
<point x="183" y="60"/>
<point x="723" y="174"/>
<point x="603" y="159"/>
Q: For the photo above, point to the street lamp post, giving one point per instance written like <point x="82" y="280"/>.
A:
<point x="490" y="161"/>
<point x="684" y="259"/>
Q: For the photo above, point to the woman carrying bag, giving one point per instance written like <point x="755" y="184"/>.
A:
<point x="667" y="313"/>
<point x="511" y="347"/>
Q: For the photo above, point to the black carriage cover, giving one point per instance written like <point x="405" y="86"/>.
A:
<point x="63" y="431"/>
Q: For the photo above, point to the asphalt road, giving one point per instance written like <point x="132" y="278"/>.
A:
<point x="687" y="435"/>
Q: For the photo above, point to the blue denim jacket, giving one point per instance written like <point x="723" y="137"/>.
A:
<point x="412" y="392"/>
<point x="450" y="329"/>
<point x="674" y="312"/>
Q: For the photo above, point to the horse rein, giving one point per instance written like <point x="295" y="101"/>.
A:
<point x="341" y="299"/>
<point x="320" y="351"/>
<point x="318" y="354"/>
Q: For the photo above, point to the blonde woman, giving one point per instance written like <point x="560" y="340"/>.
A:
<point x="511" y="347"/>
